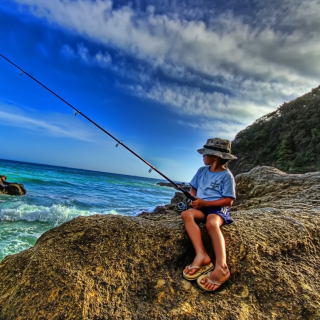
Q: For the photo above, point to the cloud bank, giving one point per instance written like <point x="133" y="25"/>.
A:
<point x="212" y="64"/>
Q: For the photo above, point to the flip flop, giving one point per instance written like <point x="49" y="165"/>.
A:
<point x="202" y="270"/>
<point x="217" y="283"/>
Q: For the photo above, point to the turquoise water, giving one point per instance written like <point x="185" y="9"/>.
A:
<point x="57" y="194"/>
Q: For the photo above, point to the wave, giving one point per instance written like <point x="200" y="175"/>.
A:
<point x="46" y="181"/>
<point x="55" y="214"/>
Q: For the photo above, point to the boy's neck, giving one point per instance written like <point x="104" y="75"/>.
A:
<point x="216" y="167"/>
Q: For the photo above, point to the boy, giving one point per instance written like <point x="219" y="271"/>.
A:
<point x="213" y="186"/>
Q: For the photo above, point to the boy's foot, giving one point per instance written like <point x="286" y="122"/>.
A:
<point x="199" y="260"/>
<point x="200" y="270"/>
<point x="212" y="281"/>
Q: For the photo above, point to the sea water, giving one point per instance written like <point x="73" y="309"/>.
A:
<point x="58" y="194"/>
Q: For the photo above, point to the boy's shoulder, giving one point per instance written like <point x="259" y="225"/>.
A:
<point x="224" y="173"/>
<point x="229" y="173"/>
<point x="202" y="169"/>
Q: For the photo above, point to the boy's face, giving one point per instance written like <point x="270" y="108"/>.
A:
<point x="209" y="159"/>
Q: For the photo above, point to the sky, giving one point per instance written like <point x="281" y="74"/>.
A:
<point x="161" y="76"/>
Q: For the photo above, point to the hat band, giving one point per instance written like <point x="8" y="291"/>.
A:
<point x="216" y="148"/>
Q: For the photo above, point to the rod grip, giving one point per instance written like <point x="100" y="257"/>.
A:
<point x="189" y="195"/>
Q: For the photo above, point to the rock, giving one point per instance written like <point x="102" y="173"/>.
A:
<point x="170" y="185"/>
<point x="14" y="189"/>
<point x="115" y="267"/>
<point x="178" y="197"/>
<point x="268" y="186"/>
<point x="11" y="188"/>
<point x="3" y="179"/>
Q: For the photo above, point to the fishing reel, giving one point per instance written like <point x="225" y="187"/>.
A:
<point x="183" y="204"/>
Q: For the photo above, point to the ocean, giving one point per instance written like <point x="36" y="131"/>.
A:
<point x="58" y="194"/>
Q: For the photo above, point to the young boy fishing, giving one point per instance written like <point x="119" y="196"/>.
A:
<point x="213" y="186"/>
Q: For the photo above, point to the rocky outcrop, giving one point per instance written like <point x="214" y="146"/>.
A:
<point x="170" y="185"/>
<point x="116" y="267"/>
<point x="269" y="187"/>
<point x="11" y="188"/>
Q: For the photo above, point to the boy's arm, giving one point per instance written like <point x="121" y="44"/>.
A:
<point x="223" y="202"/>
<point x="193" y="191"/>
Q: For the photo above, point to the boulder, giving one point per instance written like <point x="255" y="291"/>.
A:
<point x="116" y="267"/>
<point x="267" y="186"/>
<point x="11" y="188"/>
<point x="2" y="179"/>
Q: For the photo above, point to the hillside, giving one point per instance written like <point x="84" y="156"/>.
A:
<point x="288" y="138"/>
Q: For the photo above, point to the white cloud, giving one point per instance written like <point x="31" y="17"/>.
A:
<point x="254" y="60"/>
<point x="203" y="105"/>
<point x="67" y="51"/>
<point x="52" y="124"/>
<point x="227" y="46"/>
<point x="225" y="129"/>
<point x="82" y="53"/>
<point x="103" y="59"/>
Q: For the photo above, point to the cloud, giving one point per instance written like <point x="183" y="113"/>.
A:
<point x="67" y="52"/>
<point x="198" y="104"/>
<point x="57" y="125"/>
<point x="82" y="53"/>
<point x="232" y="63"/>
<point x="226" y="45"/>
<point x="218" y="128"/>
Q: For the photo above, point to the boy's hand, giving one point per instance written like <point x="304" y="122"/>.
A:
<point x="198" y="203"/>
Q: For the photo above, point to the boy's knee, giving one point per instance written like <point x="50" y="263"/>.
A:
<point x="212" y="224"/>
<point x="185" y="215"/>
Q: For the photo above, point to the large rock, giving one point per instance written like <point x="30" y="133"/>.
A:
<point x="115" y="267"/>
<point x="268" y="186"/>
<point x="11" y="188"/>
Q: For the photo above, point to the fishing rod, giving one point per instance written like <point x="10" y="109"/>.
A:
<point x="186" y="193"/>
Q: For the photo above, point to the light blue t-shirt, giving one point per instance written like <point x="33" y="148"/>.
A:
<point x="214" y="185"/>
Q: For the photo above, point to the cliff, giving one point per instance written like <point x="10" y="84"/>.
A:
<point x="116" y="267"/>
<point x="288" y="138"/>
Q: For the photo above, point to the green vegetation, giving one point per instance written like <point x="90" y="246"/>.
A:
<point x="288" y="138"/>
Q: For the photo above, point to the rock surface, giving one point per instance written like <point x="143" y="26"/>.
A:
<point x="267" y="186"/>
<point x="115" y="267"/>
<point x="11" y="188"/>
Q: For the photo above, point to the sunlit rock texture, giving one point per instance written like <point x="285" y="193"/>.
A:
<point x="116" y="267"/>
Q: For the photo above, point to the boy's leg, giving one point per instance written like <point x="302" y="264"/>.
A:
<point x="221" y="271"/>
<point x="194" y="233"/>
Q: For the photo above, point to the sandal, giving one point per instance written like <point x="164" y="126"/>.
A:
<point x="202" y="270"/>
<point x="217" y="283"/>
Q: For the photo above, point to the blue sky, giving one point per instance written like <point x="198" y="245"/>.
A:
<point x="161" y="76"/>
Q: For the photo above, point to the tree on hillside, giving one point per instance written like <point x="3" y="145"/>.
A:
<point x="288" y="138"/>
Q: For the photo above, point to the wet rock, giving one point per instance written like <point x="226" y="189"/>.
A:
<point x="3" y="179"/>
<point x="115" y="267"/>
<point x="11" y="188"/>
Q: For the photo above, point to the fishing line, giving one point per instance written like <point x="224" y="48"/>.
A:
<point x="22" y="72"/>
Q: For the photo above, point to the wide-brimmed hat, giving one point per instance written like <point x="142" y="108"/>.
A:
<point x="218" y="147"/>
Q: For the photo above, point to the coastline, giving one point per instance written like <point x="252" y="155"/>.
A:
<point x="122" y="267"/>
<point x="58" y="194"/>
